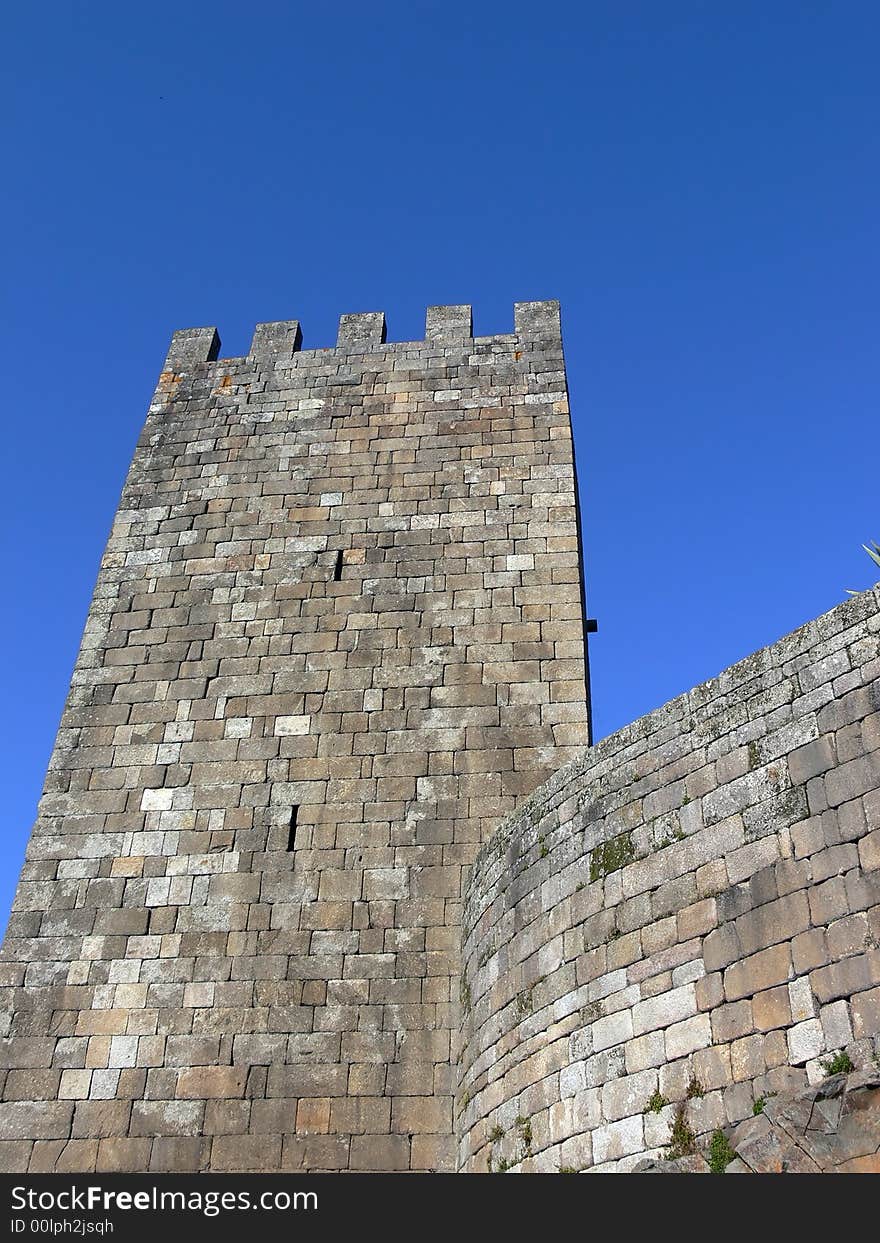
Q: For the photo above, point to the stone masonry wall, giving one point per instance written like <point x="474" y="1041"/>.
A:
<point x="336" y="636"/>
<point x="686" y="916"/>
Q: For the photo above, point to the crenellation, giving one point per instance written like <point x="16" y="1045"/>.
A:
<point x="360" y="331"/>
<point x="278" y="341"/>
<point x="449" y="323"/>
<point x="189" y="347"/>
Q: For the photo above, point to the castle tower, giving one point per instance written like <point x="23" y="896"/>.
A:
<point x="337" y="634"/>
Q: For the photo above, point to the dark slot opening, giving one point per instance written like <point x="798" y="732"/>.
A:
<point x="337" y="569"/>
<point x="291" y="836"/>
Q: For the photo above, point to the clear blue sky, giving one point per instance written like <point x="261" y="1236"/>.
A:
<point x="697" y="182"/>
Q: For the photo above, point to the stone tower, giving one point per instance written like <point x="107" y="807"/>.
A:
<point x="337" y="635"/>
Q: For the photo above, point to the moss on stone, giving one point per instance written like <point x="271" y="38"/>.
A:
<point x="612" y="855"/>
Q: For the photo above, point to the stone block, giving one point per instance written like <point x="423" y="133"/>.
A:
<point x="29" y="1052"/>
<point x="612" y="1030"/>
<point x="811" y="760"/>
<point x="747" y="1058"/>
<point x="686" y="1037"/>
<point x="866" y="1013"/>
<point x="380" y="1152"/>
<point x="842" y="979"/>
<point x="836" y="1025"/>
<point x="245" y="1153"/>
<point x="848" y="936"/>
<point x="664" y="1010"/>
<point x="166" y="1118"/>
<point x="721" y="948"/>
<point x="122" y="1156"/>
<point x="809" y="949"/>
<point x="622" y="1098"/>
<point x="173" y="1154"/>
<point x="709" y="991"/>
<point x="869" y="851"/>
<point x="211" y="1082"/>
<point x="759" y="971"/>
<point x="800" y="999"/>
<point x="94" y="1119"/>
<point x="32" y="1120"/>
<point x="805" y="1041"/>
<point x="772" y="1008"/>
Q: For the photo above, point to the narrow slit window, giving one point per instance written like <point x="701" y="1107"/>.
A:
<point x="337" y="568"/>
<point x="291" y="836"/>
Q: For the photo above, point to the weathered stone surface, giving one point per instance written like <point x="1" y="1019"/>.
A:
<point x="834" y="1126"/>
<point x="774" y="1153"/>
<point x="30" y="1120"/>
<point x="828" y="1129"/>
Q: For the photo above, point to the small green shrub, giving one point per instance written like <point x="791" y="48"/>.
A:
<point x="655" y="1102"/>
<point x="695" y="1089"/>
<point x="720" y="1152"/>
<point x="495" y="1134"/>
<point x="682" y="1141"/>
<point x="840" y="1064"/>
<point x="760" y="1102"/>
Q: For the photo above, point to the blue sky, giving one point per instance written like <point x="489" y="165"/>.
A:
<point x="696" y="182"/>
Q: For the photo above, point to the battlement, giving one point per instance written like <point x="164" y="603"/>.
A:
<point x="365" y="331"/>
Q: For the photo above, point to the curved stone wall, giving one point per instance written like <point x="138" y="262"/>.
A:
<point x="685" y="919"/>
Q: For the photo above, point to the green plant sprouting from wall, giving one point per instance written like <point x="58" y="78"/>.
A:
<point x="840" y="1064"/>
<point x="524" y="1005"/>
<point x="760" y="1102"/>
<point x="874" y="553"/>
<point x="720" y="1152"/>
<point x="655" y="1102"/>
<point x="694" y="1090"/>
<point x="682" y="1140"/>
